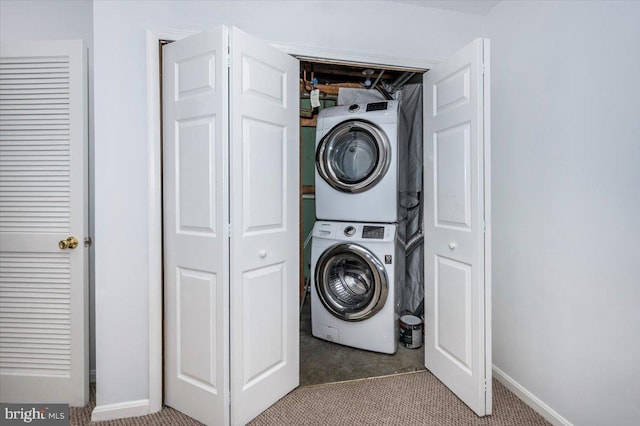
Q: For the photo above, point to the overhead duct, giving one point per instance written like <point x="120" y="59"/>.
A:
<point x="399" y="82"/>
<point x="384" y="92"/>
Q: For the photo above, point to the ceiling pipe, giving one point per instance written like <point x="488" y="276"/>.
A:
<point x="377" y="79"/>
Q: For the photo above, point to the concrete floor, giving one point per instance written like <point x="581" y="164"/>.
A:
<point x="326" y="362"/>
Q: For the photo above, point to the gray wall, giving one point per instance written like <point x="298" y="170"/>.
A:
<point x="566" y="204"/>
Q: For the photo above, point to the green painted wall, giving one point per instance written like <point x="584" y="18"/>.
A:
<point x="308" y="150"/>
<point x="307" y="175"/>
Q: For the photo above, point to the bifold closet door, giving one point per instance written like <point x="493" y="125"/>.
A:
<point x="457" y="210"/>
<point x="264" y="225"/>
<point x="196" y="240"/>
<point x="231" y="154"/>
<point x="44" y="281"/>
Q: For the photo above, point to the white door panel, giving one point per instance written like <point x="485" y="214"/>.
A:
<point x="196" y="245"/>
<point x="230" y="301"/>
<point x="44" y="330"/>
<point x="264" y="225"/>
<point x="456" y="274"/>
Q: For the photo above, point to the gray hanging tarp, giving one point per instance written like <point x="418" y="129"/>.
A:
<point x="410" y="134"/>
<point x="410" y="137"/>
<point x="413" y="289"/>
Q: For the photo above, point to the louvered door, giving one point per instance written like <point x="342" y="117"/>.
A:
<point x="43" y="187"/>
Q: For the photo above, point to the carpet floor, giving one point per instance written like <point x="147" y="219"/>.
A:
<point x="405" y="399"/>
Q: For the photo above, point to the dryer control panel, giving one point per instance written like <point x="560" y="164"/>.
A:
<point x="377" y="106"/>
<point x="381" y="112"/>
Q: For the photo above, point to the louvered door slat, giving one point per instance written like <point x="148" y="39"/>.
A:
<point x="43" y="290"/>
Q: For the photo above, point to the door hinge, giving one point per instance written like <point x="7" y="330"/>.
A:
<point x="484" y="227"/>
<point x="482" y="69"/>
<point x="228" y="61"/>
<point x="228" y="230"/>
<point x="88" y="241"/>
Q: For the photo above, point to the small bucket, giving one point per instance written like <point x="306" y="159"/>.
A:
<point x="411" y="331"/>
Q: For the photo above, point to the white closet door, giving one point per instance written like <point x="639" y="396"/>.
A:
<point x="44" y="322"/>
<point x="264" y="225"/>
<point x="456" y="171"/>
<point x="196" y="243"/>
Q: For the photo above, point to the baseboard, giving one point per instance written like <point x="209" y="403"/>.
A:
<point x="530" y="399"/>
<point x="92" y="376"/>
<point x="120" y="410"/>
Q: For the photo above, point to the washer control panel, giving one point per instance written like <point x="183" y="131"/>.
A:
<point x="373" y="232"/>
<point x="341" y="231"/>
<point x="350" y="231"/>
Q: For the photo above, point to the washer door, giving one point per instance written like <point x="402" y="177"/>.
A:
<point x="351" y="282"/>
<point x="354" y="156"/>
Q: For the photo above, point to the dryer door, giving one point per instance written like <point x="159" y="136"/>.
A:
<point x="351" y="282"/>
<point x="354" y="156"/>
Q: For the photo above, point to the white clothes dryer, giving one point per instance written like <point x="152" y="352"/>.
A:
<point x="357" y="163"/>
<point x="355" y="284"/>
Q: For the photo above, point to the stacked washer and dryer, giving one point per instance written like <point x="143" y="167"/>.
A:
<point x="357" y="258"/>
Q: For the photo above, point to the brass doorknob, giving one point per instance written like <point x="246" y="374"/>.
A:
<point x="69" y="243"/>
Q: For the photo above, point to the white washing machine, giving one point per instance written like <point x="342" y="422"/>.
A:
<point x="355" y="284"/>
<point x="357" y="163"/>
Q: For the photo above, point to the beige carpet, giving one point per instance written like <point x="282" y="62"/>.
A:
<point x="166" y="417"/>
<point x="406" y="399"/>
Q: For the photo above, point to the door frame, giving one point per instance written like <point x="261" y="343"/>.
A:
<point x="154" y="168"/>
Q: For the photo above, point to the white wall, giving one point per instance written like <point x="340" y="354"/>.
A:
<point x="42" y="20"/>
<point x="121" y="133"/>
<point x="566" y="203"/>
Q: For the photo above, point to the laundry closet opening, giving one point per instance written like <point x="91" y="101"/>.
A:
<point x="232" y="226"/>
<point x="335" y="84"/>
<point x="360" y="220"/>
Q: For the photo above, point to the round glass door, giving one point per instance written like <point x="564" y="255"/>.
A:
<point x="351" y="282"/>
<point x="354" y="156"/>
